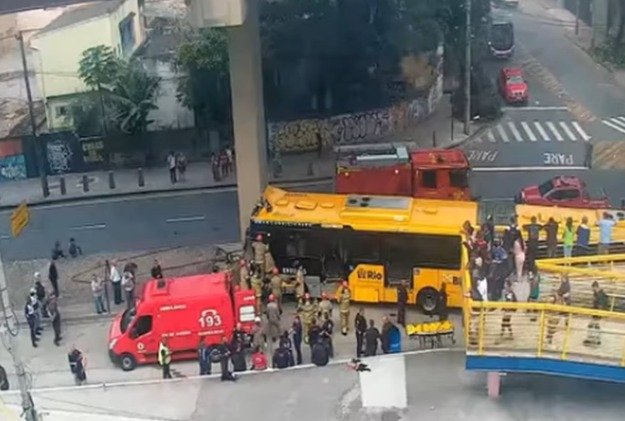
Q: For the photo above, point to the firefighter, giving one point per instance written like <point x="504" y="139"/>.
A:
<point x="300" y="283"/>
<point x="259" y="248"/>
<point x="276" y="287"/>
<point x="273" y="319"/>
<point x="343" y="296"/>
<point x="307" y="309"/>
<point x="244" y="275"/>
<point x="257" y="286"/>
<point x="325" y="306"/>
<point x="270" y="264"/>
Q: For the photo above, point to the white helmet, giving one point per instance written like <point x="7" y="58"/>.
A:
<point x="37" y="276"/>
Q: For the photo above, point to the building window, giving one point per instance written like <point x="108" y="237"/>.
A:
<point x="60" y="111"/>
<point x="127" y="34"/>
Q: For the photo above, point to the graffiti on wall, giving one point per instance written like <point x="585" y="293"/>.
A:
<point x="310" y="134"/>
<point x="59" y="154"/>
<point x="12" y="168"/>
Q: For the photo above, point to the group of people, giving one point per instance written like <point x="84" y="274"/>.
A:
<point x="222" y="163"/>
<point x="177" y="166"/>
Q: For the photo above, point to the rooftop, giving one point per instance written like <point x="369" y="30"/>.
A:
<point x="83" y="13"/>
<point x="14" y="6"/>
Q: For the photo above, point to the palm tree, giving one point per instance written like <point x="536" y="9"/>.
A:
<point x="133" y="95"/>
<point x="97" y="69"/>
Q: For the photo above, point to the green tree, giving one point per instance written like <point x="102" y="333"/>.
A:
<point x="205" y="86"/>
<point x="97" y="69"/>
<point x="133" y="95"/>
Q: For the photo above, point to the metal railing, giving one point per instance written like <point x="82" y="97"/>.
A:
<point x="542" y="329"/>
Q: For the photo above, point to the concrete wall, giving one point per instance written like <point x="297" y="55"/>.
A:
<point x="8" y="27"/>
<point x="170" y="114"/>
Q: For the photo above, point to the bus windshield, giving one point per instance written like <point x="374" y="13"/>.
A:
<point x="502" y="36"/>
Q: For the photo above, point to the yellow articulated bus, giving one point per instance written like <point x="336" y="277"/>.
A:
<point x="373" y="242"/>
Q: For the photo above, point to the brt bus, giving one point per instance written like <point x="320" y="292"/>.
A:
<point x="373" y="242"/>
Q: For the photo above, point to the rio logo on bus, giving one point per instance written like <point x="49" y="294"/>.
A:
<point x="369" y="273"/>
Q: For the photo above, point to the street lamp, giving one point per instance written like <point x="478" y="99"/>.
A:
<point x="467" y="69"/>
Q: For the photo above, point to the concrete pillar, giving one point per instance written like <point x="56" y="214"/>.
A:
<point x="493" y="382"/>
<point x="248" y="112"/>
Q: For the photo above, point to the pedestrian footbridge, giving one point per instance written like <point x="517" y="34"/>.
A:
<point x="570" y="340"/>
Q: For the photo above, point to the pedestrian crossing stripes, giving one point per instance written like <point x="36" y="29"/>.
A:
<point x="616" y="123"/>
<point x="536" y="131"/>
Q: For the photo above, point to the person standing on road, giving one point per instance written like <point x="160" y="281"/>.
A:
<point x="402" y="300"/>
<point x="224" y="360"/>
<point x="296" y="331"/>
<point x="314" y="332"/>
<point x="53" y="277"/>
<point x="116" y="280"/>
<point x="164" y="358"/>
<point x="360" y="327"/>
<point x="583" y="238"/>
<point x="343" y="296"/>
<point x="98" y="291"/>
<point x="372" y="336"/>
<point x="273" y="319"/>
<point x="37" y="308"/>
<point x="385" y="335"/>
<point x="203" y="358"/>
<point x="533" y="234"/>
<point x="327" y="328"/>
<point x="605" y="225"/>
<point x="53" y="310"/>
<point x="551" y="228"/>
<point x="156" y="271"/>
<point x="276" y="287"/>
<point x="171" y="164"/>
<point x="29" y="313"/>
<point x="128" y="283"/>
<point x="77" y="365"/>
<point x="568" y="238"/>
<point x="443" y="311"/>
<point x="308" y="313"/>
<point x="325" y="306"/>
<point x="181" y="164"/>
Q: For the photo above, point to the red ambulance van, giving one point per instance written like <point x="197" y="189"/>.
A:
<point x="182" y="310"/>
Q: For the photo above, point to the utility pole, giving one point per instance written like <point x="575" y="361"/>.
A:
<point x="10" y="329"/>
<point x="33" y="123"/>
<point x="467" y="69"/>
<point x="577" y="17"/>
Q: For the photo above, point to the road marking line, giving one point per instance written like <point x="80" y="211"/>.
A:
<point x="515" y="132"/>
<point x="503" y="134"/>
<point x="186" y="219"/>
<point x="614" y="126"/>
<point x="491" y="136"/>
<point x="89" y="227"/>
<point x="581" y="131"/>
<point x="619" y="121"/>
<point x="529" y="131"/>
<point x="568" y="131"/>
<point x="555" y="131"/>
<point x="535" y="108"/>
<point x="542" y="131"/>
<point x="508" y="169"/>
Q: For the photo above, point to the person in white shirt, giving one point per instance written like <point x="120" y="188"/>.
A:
<point x="482" y="288"/>
<point x="116" y="280"/>
<point x="128" y="282"/>
<point x="98" y="290"/>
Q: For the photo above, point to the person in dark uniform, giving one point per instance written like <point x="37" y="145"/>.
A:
<point x="53" y="311"/>
<point x="314" y="332"/>
<point x="319" y="353"/>
<point x="402" y="300"/>
<point x="360" y="326"/>
<point x="442" y="302"/>
<point x="53" y="277"/>
<point x="385" y="336"/>
<point x="372" y="336"/>
<point x="296" y="331"/>
<point x="29" y="313"/>
<point x="224" y="360"/>
<point x="236" y="347"/>
<point x="203" y="358"/>
<point x="327" y="328"/>
<point x="156" y="271"/>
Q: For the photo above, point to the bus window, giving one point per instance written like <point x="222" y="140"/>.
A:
<point x="362" y="248"/>
<point x="399" y="254"/>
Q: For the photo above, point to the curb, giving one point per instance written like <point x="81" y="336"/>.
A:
<point x="140" y="193"/>
<point x="479" y="132"/>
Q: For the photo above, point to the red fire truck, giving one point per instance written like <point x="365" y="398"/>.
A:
<point x="392" y="170"/>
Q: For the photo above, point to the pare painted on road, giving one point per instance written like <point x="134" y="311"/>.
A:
<point x="482" y="156"/>
<point x="552" y="158"/>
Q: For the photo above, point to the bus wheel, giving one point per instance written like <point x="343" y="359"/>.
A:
<point x="427" y="300"/>
<point x="128" y="362"/>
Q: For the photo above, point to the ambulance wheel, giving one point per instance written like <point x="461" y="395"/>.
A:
<point x="127" y="362"/>
<point x="427" y="300"/>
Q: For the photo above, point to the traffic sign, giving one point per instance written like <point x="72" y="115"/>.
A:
<point x="19" y="219"/>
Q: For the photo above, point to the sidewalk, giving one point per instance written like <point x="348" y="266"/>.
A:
<point x="307" y="167"/>
<point x="583" y="39"/>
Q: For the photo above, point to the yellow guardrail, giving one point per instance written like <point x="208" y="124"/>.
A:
<point x="542" y="329"/>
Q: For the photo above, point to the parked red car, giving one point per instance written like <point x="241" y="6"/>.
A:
<point x="512" y="86"/>
<point x="565" y="191"/>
